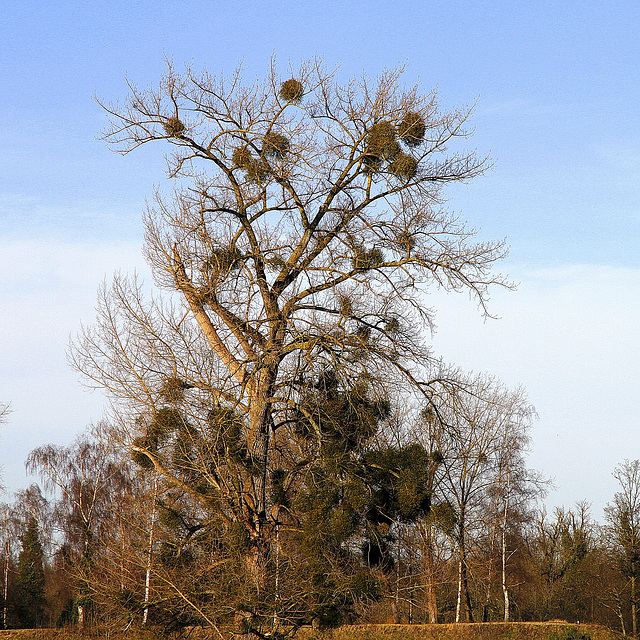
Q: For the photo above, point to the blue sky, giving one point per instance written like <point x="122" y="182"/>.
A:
<point x="556" y="86"/>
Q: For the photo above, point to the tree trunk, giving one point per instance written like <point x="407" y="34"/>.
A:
<point x="147" y="580"/>
<point x="634" y="617"/>
<point x="432" y="603"/>
<point x="620" y="613"/>
<point x="395" y="614"/>
<point x="465" y="586"/>
<point x="487" y="595"/>
<point x="6" y="587"/>
<point x="463" y="580"/>
<point x="258" y="438"/>
<point x="459" y="600"/>
<point x="505" y="588"/>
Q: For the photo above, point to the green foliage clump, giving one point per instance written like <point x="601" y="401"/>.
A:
<point x="291" y="90"/>
<point x="174" y="126"/>
<point x="140" y="458"/>
<point x="404" y="166"/>
<point x="223" y="260"/>
<point x="226" y="429"/>
<point x="398" y="476"/>
<point x="173" y="389"/>
<point x="443" y="516"/>
<point x="275" y="145"/>
<point x="241" y="157"/>
<point x="255" y="169"/>
<point x="364" y="259"/>
<point x="382" y="146"/>
<point x="392" y="326"/>
<point x="343" y="419"/>
<point x="381" y="141"/>
<point x="406" y="240"/>
<point x="278" y="492"/>
<point x="412" y="129"/>
<point x="166" y="421"/>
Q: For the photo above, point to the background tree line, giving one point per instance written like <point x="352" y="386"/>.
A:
<point x="283" y="448"/>
<point x="101" y="544"/>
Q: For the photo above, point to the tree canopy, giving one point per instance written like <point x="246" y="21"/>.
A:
<point x="306" y="227"/>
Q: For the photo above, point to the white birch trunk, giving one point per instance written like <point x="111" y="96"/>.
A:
<point x="147" y="580"/>
<point x="505" y="588"/>
<point x="459" y="601"/>
<point x="6" y="586"/>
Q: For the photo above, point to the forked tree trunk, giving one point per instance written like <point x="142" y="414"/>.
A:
<point x="258" y="443"/>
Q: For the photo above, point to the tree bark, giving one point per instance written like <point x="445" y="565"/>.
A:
<point x="432" y="603"/>
<point x="465" y="586"/>
<point x="6" y="586"/>
<point x="634" y="616"/>
<point x="147" y="580"/>
<point x="505" y="588"/>
<point x="463" y="579"/>
<point x="487" y="595"/>
<point x="459" y="600"/>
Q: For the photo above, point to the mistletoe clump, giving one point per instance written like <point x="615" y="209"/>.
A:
<point x="381" y="144"/>
<point x="404" y="166"/>
<point x="256" y="169"/>
<point x="412" y="129"/>
<point x="291" y="90"/>
<point x="174" y="126"/>
<point x="275" y="145"/>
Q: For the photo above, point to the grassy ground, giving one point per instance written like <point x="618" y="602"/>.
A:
<point x="485" y="631"/>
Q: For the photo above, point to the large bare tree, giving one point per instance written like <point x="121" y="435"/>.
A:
<point x="306" y="227"/>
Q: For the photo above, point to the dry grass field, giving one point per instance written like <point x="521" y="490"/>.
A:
<point x="485" y="631"/>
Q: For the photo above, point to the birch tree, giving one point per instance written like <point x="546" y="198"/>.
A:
<point x="480" y="430"/>
<point x="86" y="483"/>
<point x="623" y="517"/>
